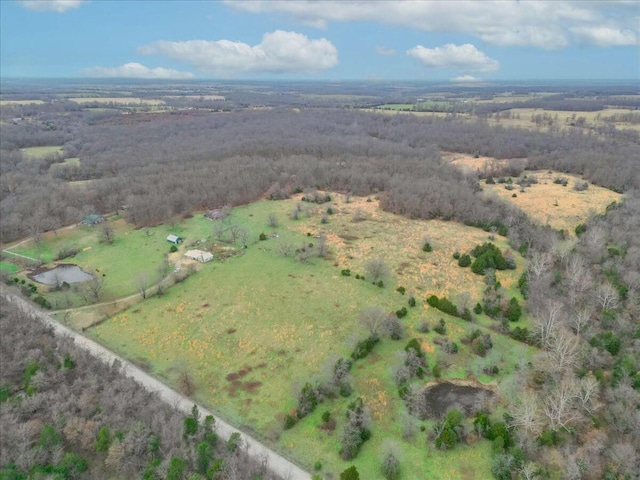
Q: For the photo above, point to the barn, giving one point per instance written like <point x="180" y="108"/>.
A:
<point x="176" y="240"/>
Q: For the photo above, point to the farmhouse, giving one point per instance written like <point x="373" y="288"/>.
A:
<point x="92" y="219"/>
<point x="174" y="239"/>
<point x="199" y="255"/>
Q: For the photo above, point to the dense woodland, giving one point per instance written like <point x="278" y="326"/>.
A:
<point x="64" y="415"/>
<point x="574" y="410"/>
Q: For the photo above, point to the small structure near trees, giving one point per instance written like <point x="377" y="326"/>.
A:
<point x="174" y="239"/>
<point x="216" y="214"/>
<point x="199" y="255"/>
<point x="93" y="219"/>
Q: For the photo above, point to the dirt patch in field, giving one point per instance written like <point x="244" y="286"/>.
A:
<point x="440" y="398"/>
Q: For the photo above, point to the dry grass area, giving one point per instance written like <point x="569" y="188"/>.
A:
<point x="561" y="207"/>
<point x="471" y="164"/>
<point x="20" y="102"/>
<point x="118" y="100"/>
<point x="398" y="240"/>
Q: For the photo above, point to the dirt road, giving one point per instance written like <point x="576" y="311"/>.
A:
<point x="277" y="463"/>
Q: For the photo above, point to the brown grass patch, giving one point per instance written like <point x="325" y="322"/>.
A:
<point x="552" y="204"/>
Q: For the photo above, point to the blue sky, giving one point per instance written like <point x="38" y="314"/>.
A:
<point x="464" y="40"/>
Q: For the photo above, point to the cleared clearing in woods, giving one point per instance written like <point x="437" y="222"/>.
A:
<point x="553" y="200"/>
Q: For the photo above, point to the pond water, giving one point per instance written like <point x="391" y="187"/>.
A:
<point x="62" y="273"/>
<point x="440" y="398"/>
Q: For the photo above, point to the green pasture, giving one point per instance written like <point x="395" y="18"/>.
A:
<point x="253" y="328"/>
<point x="41" y="152"/>
<point x="396" y="106"/>
<point x="8" y="268"/>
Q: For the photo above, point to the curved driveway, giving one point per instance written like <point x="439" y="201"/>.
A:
<point x="276" y="462"/>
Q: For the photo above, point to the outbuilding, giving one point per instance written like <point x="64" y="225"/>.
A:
<point x="199" y="255"/>
<point x="174" y="239"/>
<point x="92" y="220"/>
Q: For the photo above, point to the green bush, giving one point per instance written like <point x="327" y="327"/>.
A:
<point x="464" y="260"/>
<point x="346" y="273"/>
<point x="289" y="421"/>
<point x="380" y="283"/>
<point x="402" y="312"/>
<point x="427" y="247"/>
<point x="456" y="255"/>
<point x="514" y="311"/>
<point x="350" y="473"/>
<point x="412" y="301"/>
<point x="364" y="347"/>
<point x="326" y="416"/>
<point x="401" y="290"/>
<point x="262" y="237"/>
<point x="173" y="248"/>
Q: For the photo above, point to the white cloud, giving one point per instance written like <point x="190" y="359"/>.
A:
<point x="59" y="6"/>
<point x="385" y="52"/>
<point x="465" y="79"/>
<point x="279" y="52"/>
<point x="606" y="36"/>
<point x="465" y="58"/>
<point x="548" y="24"/>
<point x="136" y="70"/>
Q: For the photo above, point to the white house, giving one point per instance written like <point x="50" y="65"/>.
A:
<point x="176" y="240"/>
<point x="199" y="255"/>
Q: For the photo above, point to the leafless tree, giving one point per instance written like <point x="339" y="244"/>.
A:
<point x="607" y="296"/>
<point x="526" y="413"/>
<point x="373" y="319"/>
<point x="142" y="281"/>
<point x="219" y="230"/>
<point x="272" y="220"/>
<point x="559" y="404"/>
<point x="284" y="248"/>
<point x="108" y="234"/>
<point x="95" y="288"/>
<point x="377" y="269"/>
<point x="580" y="319"/>
<point x="359" y="215"/>
<point x="546" y="322"/>
<point x="539" y="264"/>
<point x="321" y="246"/>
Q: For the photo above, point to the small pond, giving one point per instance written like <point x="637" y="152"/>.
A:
<point x="440" y="398"/>
<point x="62" y="273"/>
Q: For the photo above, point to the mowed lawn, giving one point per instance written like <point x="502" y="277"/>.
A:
<point x="252" y="329"/>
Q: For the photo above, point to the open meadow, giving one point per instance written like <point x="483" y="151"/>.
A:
<point x="251" y="327"/>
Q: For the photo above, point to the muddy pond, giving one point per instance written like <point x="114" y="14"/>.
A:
<point x="438" y="399"/>
<point x="62" y="273"/>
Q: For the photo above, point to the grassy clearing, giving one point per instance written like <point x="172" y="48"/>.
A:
<point x="253" y="328"/>
<point x="41" y="152"/>
<point x="550" y="203"/>
<point x="20" y="102"/>
<point x="118" y="100"/>
<point x="396" y="106"/>
<point x="8" y="268"/>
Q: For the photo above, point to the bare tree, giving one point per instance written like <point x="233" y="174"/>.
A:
<point x="562" y="351"/>
<point x="546" y="322"/>
<point x="539" y="264"/>
<point x="607" y="296"/>
<point x="525" y="412"/>
<point x="95" y="288"/>
<point x="108" y="234"/>
<point x="377" y="269"/>
<point x="373" y="319"/>
<point x="284" y="248"/>
<point x="219" y="230"/>
<point x="580" y="319"/>
<point x="559" y="404"/>
<point x="142" y="283"/>
<point x="321" y="246"/>
<point x="272" y="220"/>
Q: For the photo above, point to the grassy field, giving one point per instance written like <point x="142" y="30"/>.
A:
<point x="41" y="152"/>
<point x="251" y="329"/>
<point x="396" y="106"/>
<point x="561" y="207"/>
<point x="117" y="100"/>
<point x="20" y="102"/>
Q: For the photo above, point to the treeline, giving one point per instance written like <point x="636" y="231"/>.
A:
<point x="167" y="164"/>
<point x="66" y="415"/>
<point x="581" y="394"/>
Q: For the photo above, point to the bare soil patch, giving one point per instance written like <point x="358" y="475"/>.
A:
<point x="442" y="397"/>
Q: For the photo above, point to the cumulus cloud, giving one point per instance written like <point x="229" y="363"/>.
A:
<point x="466" y="58"/>
<point x="549" y="25"/>
<point x="279" y="52"/>
<point x="465" y="79"/>
<point x="385" y="52"/>
<point x="59" y="6"/>
<point x="136" y="70"/>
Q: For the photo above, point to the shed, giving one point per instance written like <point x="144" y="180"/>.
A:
<point x="176" y="240"/>
<point x="199" y="255"/>
<point x="92" y="219"/>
